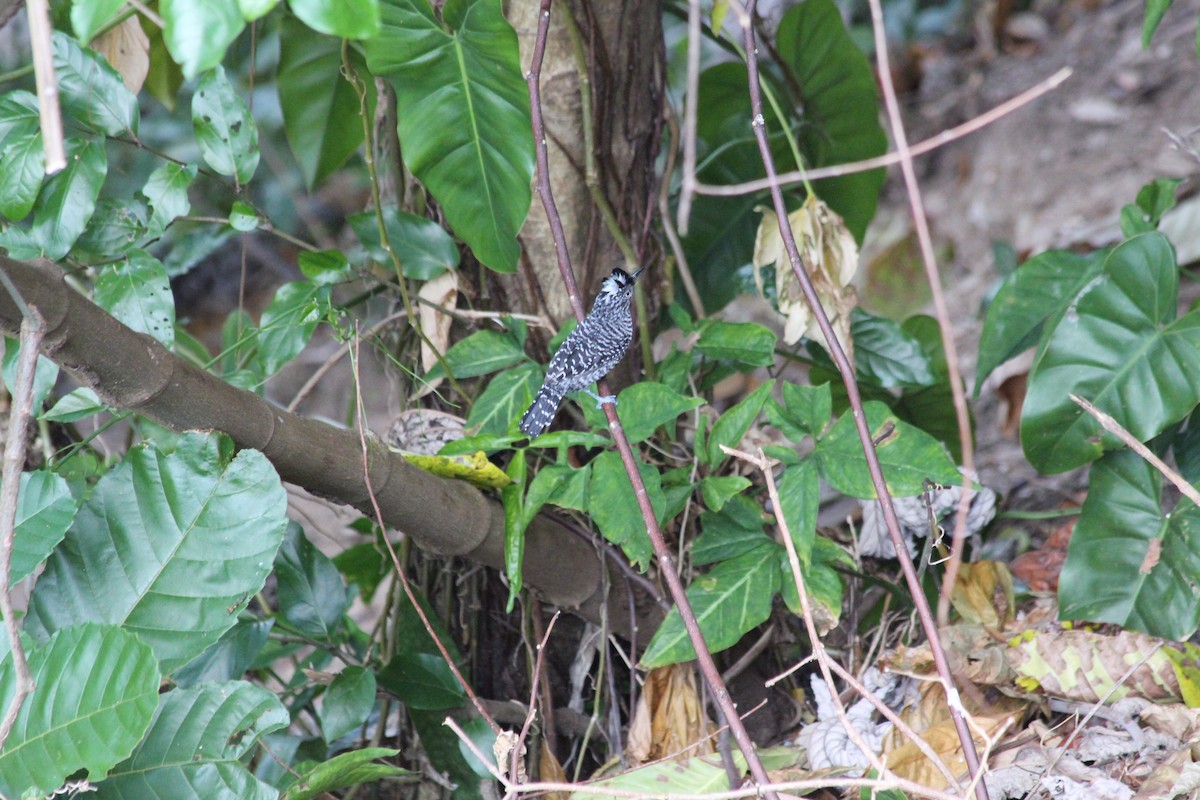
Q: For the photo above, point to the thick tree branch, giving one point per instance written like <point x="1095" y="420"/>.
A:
<point x="131" y="371"/>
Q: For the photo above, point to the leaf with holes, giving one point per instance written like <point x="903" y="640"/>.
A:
<point x="225" y="130"/>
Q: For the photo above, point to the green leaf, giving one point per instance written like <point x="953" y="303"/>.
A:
<point x="68" y="198"/>
<point x="347" y="19"/>
<point x="197" y="32"/>
<point x="288" y="323"/>
<point x="196" y="744"/>
<point x="1155" y="9"/>
<point x="515" y="522"/>
<point x="178" y="571"/>
<point x="560" y="484"/>
<point x="821" y="580"/>
<point x="312" y="596"/>
<point x="21" y="169"/>
<point x="645" y="406"/>
<point x="744" y="342"/>
<point x="799" y="496"/>
<point x="45" y="510"/>
<point x="1157" y="198"/>
<point x="255" y="9"/>
<point x="324" y="267"/>
<point x="1041" y="288"/>
<point x="1130" y="562"/>
<point x="347" y="703"/>
<point x="736" y="530"/>
<point x="699" y="776"/>
<point x="717" y="489"/>
<point x="343" y="771"/>
<point x="418" y="674"/>
<point x="425" y="250"/>
<point x="92" y="91"/>
<point x="463" y="111"/>
<point x="95" y="689"/>
<point x="44" y="375"/>
<point x="117" y="226"/>
<point x="89" y="16"/>
<point x="841" y="107"/>
<point x="450" y="757"/>
<point x="614" y="507"/>
<point x="886" y="355"/>
<point x="242" y="217"/>
<point x="321" y="113"/>
<point x="229" y="658"/>
<point x="225" y="129"/>
<point x="505" y="399"/>
<point x="733" y="424"/>
<point x="481" y="353"/>
<point x="731" y="599"/>
<point x="78" y="404"/>
<point x="137" y="292"/>
<point x="1121" y="348"/>
<point x="908" y="455"/>
<point x="809" y="407"/>
<point x="167" y="192"/>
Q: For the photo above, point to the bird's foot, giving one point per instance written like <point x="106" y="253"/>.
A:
<point x="602" y="400"/>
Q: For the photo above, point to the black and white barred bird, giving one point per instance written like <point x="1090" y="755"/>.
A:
<point x="588" y="354"/>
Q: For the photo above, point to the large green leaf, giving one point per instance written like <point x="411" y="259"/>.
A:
<point x="137" y="292"/>
<point x="886" y="355"/>
<point x="92" y="91"/>
<point x="348" y="19"/>
<point x="463" y="110"/>
<point x="1040" y="289"/>
<point x="481" y="353"/>
<point x="731" y="599"/>
<point x="1120" y="347"/>
<point x="170" y="546"/>
<point x="95" y="689"/>
<point x="197" y="32"/>
<point x="692" y="776"/>
<point x="117" y="226"/>
<point x="347" y="702"/>
<point x="799" y="489"/>
<point x="196" y="743"/>
<point x="288" y="323"/>
<point x="321" y="114"/>
<point x="21" y="162"/>
<point x="87" y="18"/>
<point x="735" y="530"/>
<point x="841" y="107"/>
<point x="614" y="506"/>
<point x="68" y="199"/>
<point x="1129" y="561"/>
<point x="908" y="455"/>
<point x="505" y="399"/>
<point x="167" y="192"/>
<point x="745" y="342"/>
<point x="231" y="656"/>
<point x="312" y="596"/>
<point x="424" y="248"/>
<point x="225" y="129"/>
<point x="342" y="771"/>
<point x="647" y="405"/>
<point x="45" y="509"/>
<point x="417" y="673"/>
<point x="729" y="429"/>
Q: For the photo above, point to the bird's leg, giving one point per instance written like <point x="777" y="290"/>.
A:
<point x="602" y="400"/>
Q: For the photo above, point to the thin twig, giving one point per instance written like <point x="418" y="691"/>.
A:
<point x="958" y="392"/>
<point x="49" y="111"/>
<point x="758" y="123"/>
<point x="691" y="99"/>
<point x="824" y="662"/>
<point x="888" y="159"/>
<point x="533" y="692"/>
<point x="361" y="415"/>
<point x="1112" y="426"/>
<point x="33" y="330"/>
<point x="708" y="667"/>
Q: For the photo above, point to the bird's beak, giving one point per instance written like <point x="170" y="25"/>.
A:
<point x="639" y="272"/>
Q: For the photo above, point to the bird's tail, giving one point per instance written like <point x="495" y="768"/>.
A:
<point x="541" y="412"/>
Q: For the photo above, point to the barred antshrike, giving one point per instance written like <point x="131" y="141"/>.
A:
<point x="588" y="354"/>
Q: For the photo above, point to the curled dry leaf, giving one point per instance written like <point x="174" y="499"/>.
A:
<point x="127" y="48"/>
<point x="830" y="256"/>
<point x="669" y="720"/>
<point x="441" y="291"/>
